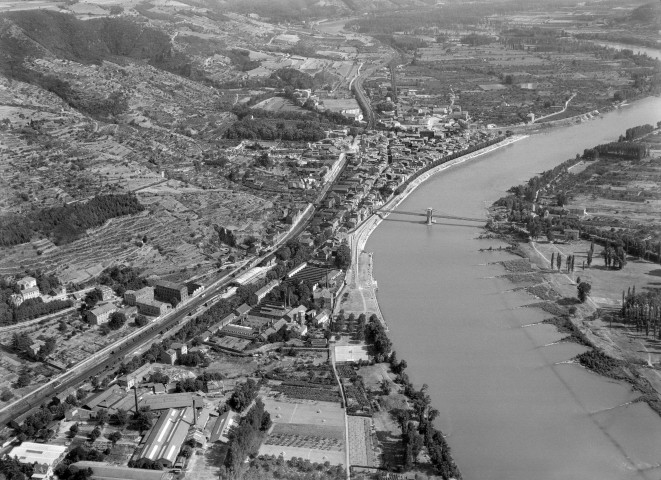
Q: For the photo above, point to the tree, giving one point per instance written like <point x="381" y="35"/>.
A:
<point x="561" y="198"/>
<point x="143" y="419"/>
<point x="93" y="297"/>
<point x="121" y="417"/>
<point x="141" y="320"/>
<point x="6" y="395"/>
<point x="73" y="430"/>
<point x="94" y="434"/>
<point x="117" y="320"/>
<point x="23" y="379"/>
<point x="115" y="437"/>
<point x="343" y="257"/>
<point x="21" y="342"/>
<point x="102" y="417"/>
<point x="584" y="289"/>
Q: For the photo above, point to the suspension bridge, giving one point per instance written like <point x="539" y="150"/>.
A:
<point x="430" y="215"/>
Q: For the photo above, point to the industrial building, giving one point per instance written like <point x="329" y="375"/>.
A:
<point x="167" y="436"/>
<point x="144" y="295"/>
<point x="42" y="455"/>
<point x="170" y="291"/>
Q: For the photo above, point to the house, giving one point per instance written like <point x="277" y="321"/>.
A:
<point x="43" y="456"/>
<point x="26" y="282"/>
<point x="300" y="329"/>
<point x="170" y="292"/>
<point x="169" y="356"/>
<point x="131" y="379"/>
<point x="204" y="336"/>
<point x="194" y="289"/>
<point x="180" y="348"/>
<point x="144" y="295"/>
<point x="215" y="387"/>
<point x="101" y="314"/>
<point x="297" y="314"/>
<point x="325" y="296"/>
<point x="167" y="436"/>
<point x="580" y="211"/>
<point x="106" y="292"/>
<point x="28" y="293"/>
<point x="222" y="427"/>
<point x="321" y="320"/>
<point x="260" y="294"/>
<point x="153" y="308"/>
<point x="242" y="310"/>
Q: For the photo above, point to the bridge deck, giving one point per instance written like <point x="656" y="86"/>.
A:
<point x="435" y="215"/>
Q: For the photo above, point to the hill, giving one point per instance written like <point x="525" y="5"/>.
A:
<point x="646" y="15"/>
<point x="39" y="33"/>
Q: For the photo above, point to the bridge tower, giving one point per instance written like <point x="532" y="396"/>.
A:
<point x="430" y="216"/>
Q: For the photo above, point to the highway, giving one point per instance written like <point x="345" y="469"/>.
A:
<point x="114" y="354"/>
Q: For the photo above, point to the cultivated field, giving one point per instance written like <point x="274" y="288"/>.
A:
<point x="361" y="442"/>
<point x="307" y="429"/>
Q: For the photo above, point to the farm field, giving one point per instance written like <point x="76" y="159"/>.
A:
<point x="307" y="429"/>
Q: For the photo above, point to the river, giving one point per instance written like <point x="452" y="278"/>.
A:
<point x="650" y="52"/>
<point x="511" y="408"/>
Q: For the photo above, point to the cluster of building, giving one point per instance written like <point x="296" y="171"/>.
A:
<point x="28" y="289"/>
<point x="153" y="301"/>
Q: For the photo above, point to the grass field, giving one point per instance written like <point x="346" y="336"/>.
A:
<point x="278" y="104"/>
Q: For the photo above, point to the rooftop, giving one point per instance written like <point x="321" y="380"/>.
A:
<point x="167" y="435"/>
<point x="41" y="453"/>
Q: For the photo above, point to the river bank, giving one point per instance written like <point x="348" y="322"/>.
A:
<point x="597" y="319"/>
<point x="615" y="351"/>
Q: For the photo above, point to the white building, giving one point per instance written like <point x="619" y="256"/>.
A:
<point x="42" y="455"/>
<point x="27" y="282"/>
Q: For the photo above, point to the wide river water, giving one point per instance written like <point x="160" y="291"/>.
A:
<point x="511" y="408"/>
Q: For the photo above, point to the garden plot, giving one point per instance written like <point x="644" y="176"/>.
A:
<point x="361" y="444"/>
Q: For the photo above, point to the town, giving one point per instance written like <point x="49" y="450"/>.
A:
<point x="184" y="290"/>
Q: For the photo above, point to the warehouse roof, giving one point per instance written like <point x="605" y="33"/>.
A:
<point x="170" y="400"/>
<point x="168" y="435"/>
